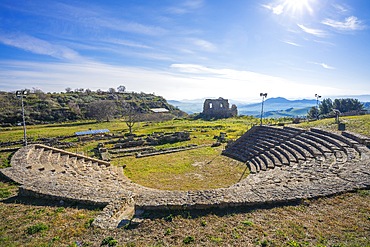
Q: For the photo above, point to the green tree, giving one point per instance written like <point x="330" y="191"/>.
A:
<point x="347" y="105"/>
<point x="326" y="107"/>
<point x="313" y="113"/>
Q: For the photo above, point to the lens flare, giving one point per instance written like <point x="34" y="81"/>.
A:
<point x="298" y="6"/>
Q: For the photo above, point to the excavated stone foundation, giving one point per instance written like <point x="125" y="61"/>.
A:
<point x="286" y="164"/>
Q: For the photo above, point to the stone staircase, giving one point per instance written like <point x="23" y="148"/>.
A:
<point x="66" y="174"/>
<point x="263" y="147"/>
<point x="286" y="164"/>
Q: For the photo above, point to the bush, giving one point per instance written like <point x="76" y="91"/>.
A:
<point x="88" y="223"/>
<point x="188" y="240"/>
<point x="36" y="228"/>
<point x="247" y="223"/>
<point x="4" y="193"/>
<point x="110" y="241"/>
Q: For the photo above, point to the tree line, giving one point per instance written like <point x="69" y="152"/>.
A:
<point x="329" y="108"/>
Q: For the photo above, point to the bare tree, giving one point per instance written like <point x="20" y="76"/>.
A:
<point x="88" y="91"/>
<point x="130" y="115"/>
<point x="121" y="89"/>
<point x="68" y="89"/>
<point x="102" y="109"/>
<point x="111" y="90"/>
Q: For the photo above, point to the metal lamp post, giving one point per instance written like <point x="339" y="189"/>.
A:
<point x="263" y="95"/>
<point x="21" y="94"/>
<point x="317" y="104"/>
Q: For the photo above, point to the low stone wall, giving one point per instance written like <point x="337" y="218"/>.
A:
<point x="100" y="162"/>
<point x="31" y="192"/>
<point x="166" y="150"/>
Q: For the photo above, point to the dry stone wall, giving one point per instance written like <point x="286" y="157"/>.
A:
<point x="286" y="164"/>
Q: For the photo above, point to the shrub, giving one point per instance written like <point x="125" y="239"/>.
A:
<point x="188" y="240"/>
<point x="59" y="210"/>
<point x="247" y="223"/>
<point x="36" y="228"/>
<point x="293" y="243"/>
<point x="110" y="241"/>
<point x="4" y="193"/>
<point x="88" y="223"/>
<point x="169" y="218"/>
<point x="168" y="232"/>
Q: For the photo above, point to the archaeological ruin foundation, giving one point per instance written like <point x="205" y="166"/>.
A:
<point x="286" y="165"/>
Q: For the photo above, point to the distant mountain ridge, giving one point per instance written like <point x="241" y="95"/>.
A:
<point x="278" y="107"/>
<point x="273" y="107"/>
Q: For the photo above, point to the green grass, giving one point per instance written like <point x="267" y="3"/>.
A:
<point x="340" y="220"/>
<point x="202" y="168"/>
<point x="357" y="124"/>
<point x="7" y="190"/>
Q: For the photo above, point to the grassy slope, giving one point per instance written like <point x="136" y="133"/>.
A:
<point x="341" y="220"/>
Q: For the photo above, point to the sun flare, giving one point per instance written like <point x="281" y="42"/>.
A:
<point x="298" y="6"/>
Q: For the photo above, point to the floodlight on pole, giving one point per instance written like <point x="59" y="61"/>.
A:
<point x="263" y="95"/>
<point x="21" y="94"/>
<point x="317" y="104"/>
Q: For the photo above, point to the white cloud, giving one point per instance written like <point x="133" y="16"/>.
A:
<point x="186" y="7"/>
<point x="181" y="81"/>
<point x="324" y="65"/>
<point x="194" y="4"/>
<point x="277" y="10"/>
<point x="127" y="43"/>
<point x="340" y="8"/>
<point x="38" y="46"/>
<point x="315" y="32"/>
<point x="203" y="44"/>
<point x="244" y="85"/>
<point x="292" y="43"/>
<point x="349" y="24"/>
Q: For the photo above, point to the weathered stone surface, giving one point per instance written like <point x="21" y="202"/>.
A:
<point x="288" y="164"/>
<point x="218" y="108"/>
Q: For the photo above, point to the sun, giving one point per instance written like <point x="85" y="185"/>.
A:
<point x="298" y="6"/>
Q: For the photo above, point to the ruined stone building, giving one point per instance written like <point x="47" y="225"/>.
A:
<point x="218" y="108"/>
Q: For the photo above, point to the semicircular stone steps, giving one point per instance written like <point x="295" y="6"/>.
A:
<point x="263" y="147"/>
<point x="46" y="169"/>
<point x="286" y="164"/>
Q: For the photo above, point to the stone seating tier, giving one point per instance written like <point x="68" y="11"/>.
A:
<point x="266" y="147"/>
<point x="286" y="164"/>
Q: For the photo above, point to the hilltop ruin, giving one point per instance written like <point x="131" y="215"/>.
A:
<point x="218" y="108"/>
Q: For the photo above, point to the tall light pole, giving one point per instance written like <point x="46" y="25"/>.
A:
<point x="263" y="95"/>
<point x="317" y="104"/>
<point x="21" y="94"/>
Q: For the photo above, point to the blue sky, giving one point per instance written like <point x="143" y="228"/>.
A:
<point x="188" y="49"/>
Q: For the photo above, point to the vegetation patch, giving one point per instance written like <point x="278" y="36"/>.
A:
<point x="188" y="240"/>
<point x="37" y="228"/>
<point x="109" y="241"/>
<point x="7" y="189"/>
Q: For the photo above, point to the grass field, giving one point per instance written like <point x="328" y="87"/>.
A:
<point x="342" y="220"/>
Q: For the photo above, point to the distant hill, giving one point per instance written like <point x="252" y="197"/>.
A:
<point x="43" y="107"/>
<point x="188" y="106"/>
<point x="278" y="107"/>
<point x="273" y="107"/>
